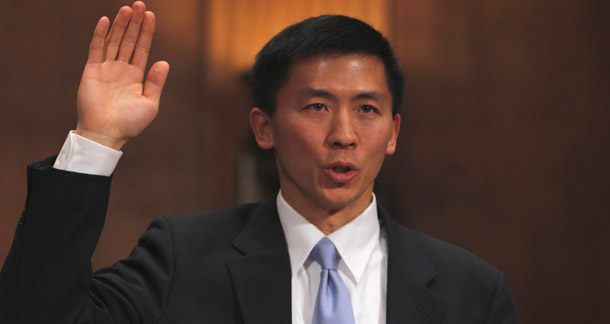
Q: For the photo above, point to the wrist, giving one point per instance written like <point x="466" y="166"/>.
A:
<point x="102" y="139"/>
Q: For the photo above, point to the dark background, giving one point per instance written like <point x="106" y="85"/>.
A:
<point x="504" y="148"/>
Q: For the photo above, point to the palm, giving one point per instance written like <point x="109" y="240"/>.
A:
<point x="113" y="103"/>
<point x="110" y="100"/>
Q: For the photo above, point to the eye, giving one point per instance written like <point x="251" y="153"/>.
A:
<point x="367" y="109"/>
<point x="317" y="107"/>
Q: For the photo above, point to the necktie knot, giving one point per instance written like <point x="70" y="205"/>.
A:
<point x="325" y="253"/>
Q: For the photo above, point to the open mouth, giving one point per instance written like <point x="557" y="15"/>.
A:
<point x="341" y="169"/>
<point x="341" y="173"/>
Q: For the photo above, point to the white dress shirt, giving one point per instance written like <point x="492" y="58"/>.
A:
<point x="362" y="265"/>
<point x="361" y="244"/>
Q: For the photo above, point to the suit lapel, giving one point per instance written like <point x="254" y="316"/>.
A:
<point x="262" y="276"/>
<point x="262" y="281"/>
<point x="409" y="300"/>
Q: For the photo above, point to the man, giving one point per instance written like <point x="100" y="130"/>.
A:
<point x="327" y="92"/>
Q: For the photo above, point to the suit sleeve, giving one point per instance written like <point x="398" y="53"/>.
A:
<point x="47" y="276"/>
<point x="502" y="309"/>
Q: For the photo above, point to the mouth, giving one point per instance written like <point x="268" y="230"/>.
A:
<point x="341" y="173"/>
<point x="341" y="169"/>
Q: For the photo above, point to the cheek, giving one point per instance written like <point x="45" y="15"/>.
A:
<point x="377" y="143"/>
<point x="299" y="136"/>
<point x="297" y="156"/>
<point x="377" y="136"/>
<point x="287" y="154"/>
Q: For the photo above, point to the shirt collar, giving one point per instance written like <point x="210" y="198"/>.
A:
<point x="355" y="241"/>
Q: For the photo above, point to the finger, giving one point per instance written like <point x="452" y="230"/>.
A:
<point x="140" y="54"/>
<point x="156" y="80"/>
<point x="96" y="48"/>
<point x="131" y="34"/>
<point x="113" y="40"/>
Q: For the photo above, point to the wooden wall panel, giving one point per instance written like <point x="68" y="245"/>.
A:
<point x="504" y="147"/>
<point x="42" y="60"/>
<point x="503" y="150"/>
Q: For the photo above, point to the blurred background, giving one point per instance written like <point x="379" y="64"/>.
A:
<point x="504" y="147"/>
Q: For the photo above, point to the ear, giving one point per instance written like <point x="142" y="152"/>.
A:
<point x="391" y="148"/>
<point x="260" y="122"/>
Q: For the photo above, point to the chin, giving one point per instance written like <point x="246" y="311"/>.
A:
<point x="337" y="199"/>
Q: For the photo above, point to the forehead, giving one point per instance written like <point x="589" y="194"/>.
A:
<point x="337" y="72"/>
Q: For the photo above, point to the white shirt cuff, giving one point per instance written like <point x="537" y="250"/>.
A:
<point x="83" y="155"/>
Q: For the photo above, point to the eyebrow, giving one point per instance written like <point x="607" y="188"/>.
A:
<point x="313" y="92"/>
<point x="373" y="95"/>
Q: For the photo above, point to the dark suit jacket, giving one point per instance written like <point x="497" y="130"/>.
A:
<point x="225" y="266"/>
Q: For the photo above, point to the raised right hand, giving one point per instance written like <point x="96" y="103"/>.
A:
<point x="113" y="104"/>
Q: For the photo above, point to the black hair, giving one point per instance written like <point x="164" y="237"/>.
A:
<point x="323" y="35"/>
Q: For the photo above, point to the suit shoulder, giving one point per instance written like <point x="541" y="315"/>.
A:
<point x="450" y="259"/>
<point x="218" y="215"/>
<point x="474" y="290"/>
<point x="225" y="222"/>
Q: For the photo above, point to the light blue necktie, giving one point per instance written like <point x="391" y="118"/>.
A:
<point x="333" y="305"/>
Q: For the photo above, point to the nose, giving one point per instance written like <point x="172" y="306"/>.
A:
<point x="342" y="133"/>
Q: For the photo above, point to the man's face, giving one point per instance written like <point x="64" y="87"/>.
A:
<point x="331" y="130"/>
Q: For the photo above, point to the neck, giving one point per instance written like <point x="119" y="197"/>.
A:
<point x="329" y="219"/>
<point x="330" y="223"/>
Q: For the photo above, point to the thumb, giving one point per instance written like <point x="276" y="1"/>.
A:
<point x="153" y="86"/>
